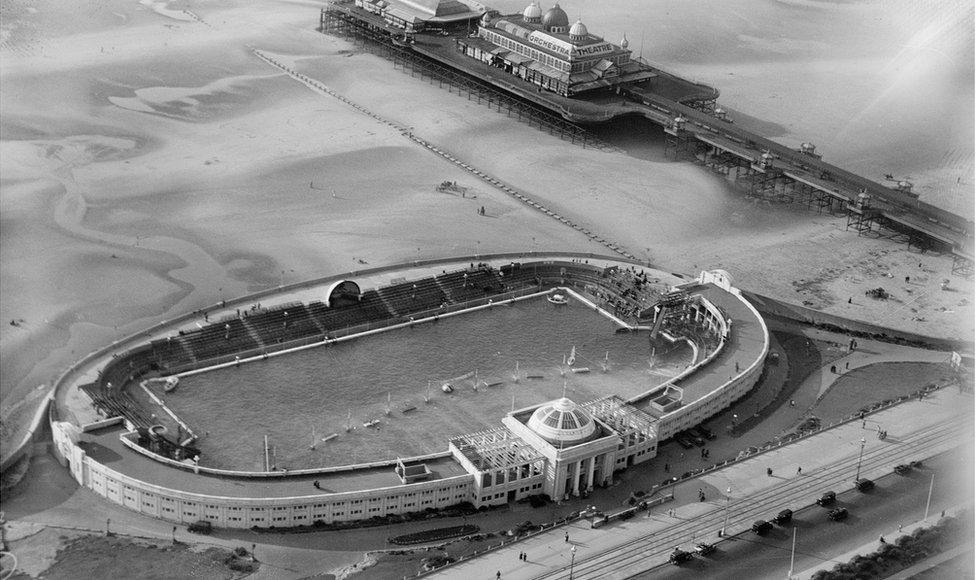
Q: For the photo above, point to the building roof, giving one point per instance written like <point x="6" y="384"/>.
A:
<point x="555" y="16"/>
<point x="558" y="44"/>
<point x="435" y="11"/>
<point x="532" y="13"/>
<point x="563" y="422"/>
<point x="437" y="7"/>
<point x="578" y="30"/>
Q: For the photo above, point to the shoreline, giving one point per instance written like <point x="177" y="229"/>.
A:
<point x="237" y="213"/>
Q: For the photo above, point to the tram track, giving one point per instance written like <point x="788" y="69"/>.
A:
<point x="648" y="551"/>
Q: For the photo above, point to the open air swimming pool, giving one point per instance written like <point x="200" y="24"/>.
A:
<point x="325" y="389"/>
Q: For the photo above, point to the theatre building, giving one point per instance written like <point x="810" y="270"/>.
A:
<point x="544" y="49"/>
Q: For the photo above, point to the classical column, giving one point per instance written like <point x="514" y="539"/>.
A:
<point x="590" y="473"/>
<point x="576" y="475"/>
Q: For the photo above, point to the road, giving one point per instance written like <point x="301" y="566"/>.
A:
<point x="830" y="459"/>
<point x="633" y="555"/>
<point x="895" y="500"/>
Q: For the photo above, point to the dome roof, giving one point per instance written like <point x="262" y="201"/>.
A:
<point x="555" y="18"/>
<point x="578" y="29"/>
<point x="562" y="422"/>
<point x="532" y="12"/>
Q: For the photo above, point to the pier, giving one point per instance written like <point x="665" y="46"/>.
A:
<point x="694" y="126"/>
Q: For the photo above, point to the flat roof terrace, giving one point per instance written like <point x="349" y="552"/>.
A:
<point x="105" y="447"/>
<point x="745" y="344"/>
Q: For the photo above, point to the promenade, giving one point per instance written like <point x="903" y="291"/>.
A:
<point x="829" y="460"/>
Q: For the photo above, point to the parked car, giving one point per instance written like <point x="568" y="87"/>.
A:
<point x="864" y="484"/>
<point x="903" y="469"/>
<point x="761" y="527"/>
<point x="827" y="498"/>
<point x="200" y="527"/>
<point x="703" y="431"/>
<point x="683" y="440"/>
<point x="679" y="557"/>
<point x="699" y="441"/>
<point x="838" y="514"/>
<point x="704" y="549"/>
<point x="916" y="465"/>
<point x="783" y="517"/>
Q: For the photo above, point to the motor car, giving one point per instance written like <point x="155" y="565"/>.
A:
<point x="761" y="527"/>
<point x="903" y="469"/>
<point x="838" y="514"/>
<point x="697" y="440"/>
<point x="200" y="527"/>
<point x="864" y="485"/>
<point x="683" y="440"/>
<point x="703" y="431"/>
<point x="827" y="498"/>
<point x="704" y="549"/>
<point x="783" y="517"/>
<point x="679" y="557"/>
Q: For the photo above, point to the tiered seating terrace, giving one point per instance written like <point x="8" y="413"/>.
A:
<point x="411" y="297"/>
<point x="220" y="339"/>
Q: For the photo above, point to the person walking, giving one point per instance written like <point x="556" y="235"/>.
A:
<point x="799" y="470"/>
<point x="567" y="537"/>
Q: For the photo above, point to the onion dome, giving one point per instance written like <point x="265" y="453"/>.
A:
<point x="555" y="19"/>
<point x="532" y="13"/>
<point x="624" y="43"/>
<point x="578" y="31"/>
<point x="563" y="422"/>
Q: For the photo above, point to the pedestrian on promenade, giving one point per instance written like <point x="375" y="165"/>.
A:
<point x="498" y="574"/>
<point x="769" y="471"/>
<point x="567" y="536"/>
<point x="847" y="365"/>
<point x="833" y="369"/>
<point x="882" y="540"/>
<point x="799" y="470"/>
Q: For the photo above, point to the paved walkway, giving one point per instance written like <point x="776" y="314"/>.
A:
<point x="550" y="552"/>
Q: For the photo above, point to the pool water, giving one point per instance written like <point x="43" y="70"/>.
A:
<point x="329" y="388"/>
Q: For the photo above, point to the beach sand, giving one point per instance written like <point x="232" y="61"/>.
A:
<point x="153" y="164"/>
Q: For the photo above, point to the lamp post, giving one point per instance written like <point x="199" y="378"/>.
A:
<point x="792" y="555"/>
<point x="860" y="455"/>
<point x="728" y="505"/>
<point x="572" y="561"/>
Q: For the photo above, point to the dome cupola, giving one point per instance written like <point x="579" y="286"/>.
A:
<point x="578" y="31"/>
<point x="555" y="20"/>
<point x="532" y="13"/>
<point x="562" y="422"/>
<point x="624" y="43"/>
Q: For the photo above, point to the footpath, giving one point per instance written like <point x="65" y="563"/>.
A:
<point x="551" y="553"/>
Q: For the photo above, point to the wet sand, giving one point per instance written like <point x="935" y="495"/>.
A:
<point x="153" y="165"/>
